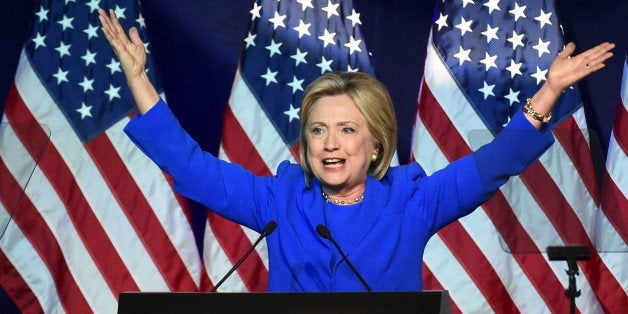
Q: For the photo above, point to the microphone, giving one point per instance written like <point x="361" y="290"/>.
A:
<point x="324" y="232"/>
<point x="268" y="229"/>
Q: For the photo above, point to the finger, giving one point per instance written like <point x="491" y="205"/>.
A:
<point x="135" y="37"/>
<point x="568" y="50"/>
<point x="117" y="29"/>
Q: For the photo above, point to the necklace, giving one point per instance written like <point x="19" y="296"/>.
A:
<point x="339" y="202"/>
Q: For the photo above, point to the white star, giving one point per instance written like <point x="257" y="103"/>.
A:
<point x="140" y="20"/>
<point x="91" y="31"/>
<point x="87" y="84"/>
<point x="353" y="45"/>
<point x="274" y="47"/>
<point x="89" y="57"/>
<point x="296" y="84"/>
<point x="39" y="41"/>
<point x="303" y="28"/>
<point x="539" y="75"/>
<point x="93" y="5"/>
<point x="490" y="33"/>
<point x="518" y="11"/>
<point x="462" y="55"/>
<point x="492" y="5"/>
<point x="514" y="68"/>
<point x="250" y="40"/>
<point x="542" y="47"/>
<point x="489" y="61"/>
<point x="442" y="21"/>
<point x="42" y="14"/>
<point x="327" y="38"/>
<point x="114" y="66"/>
<point x="331" y="9"/>
<point x="544" y="18"/>
<point x="487" y="90"/>
<point x="66" y="22"/>
<point x="350" y="69"/>
<point x="325" y="65"/>
<point x="465" y="2"/>
<point x="516" y="40"/>
<point x="277" y="20"/>
<point x="354" y="18"/>
<point x="299" y="57"/>
<point x="255" y="11"/>
<point x="62" y="76"/>
<point x="113" y="92"/>
<point x="512" y="96"/>
<point x="63" y="49"/>
<point x="120" y="12"/>
<point x="68" y="1"/>
<point x="85" y="111"/>
<point x="305" y="4"/>
<point x="292" y="113"/>
<point x="465" y="26"/>
<point x="146" y="47"/>
<point x="269" y="76"/>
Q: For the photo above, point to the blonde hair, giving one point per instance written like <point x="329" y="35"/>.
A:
<point x="372" y="99"/>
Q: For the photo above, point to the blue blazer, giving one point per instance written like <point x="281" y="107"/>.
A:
<point x="384" y="236"/>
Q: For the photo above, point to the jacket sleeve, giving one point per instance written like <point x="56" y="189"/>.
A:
<point x="225" y="188"/>
<point x="463" y="185"/>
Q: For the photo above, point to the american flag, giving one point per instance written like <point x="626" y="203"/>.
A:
<point x="484" y="59"/>
<point x="89" y="224"/>
<point x="288" y="45"/>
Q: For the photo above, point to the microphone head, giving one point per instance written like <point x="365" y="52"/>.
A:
<point x="269" y="228"/>
<point x="323" y="231"/>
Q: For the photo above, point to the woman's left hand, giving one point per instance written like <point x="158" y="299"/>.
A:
<point x="566" y="71"/>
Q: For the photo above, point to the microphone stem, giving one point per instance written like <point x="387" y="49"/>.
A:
<point x="238" y="263"/>
<point x="355" y="271"/>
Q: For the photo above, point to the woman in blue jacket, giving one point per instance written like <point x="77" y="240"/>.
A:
<point x="381" y="216"/>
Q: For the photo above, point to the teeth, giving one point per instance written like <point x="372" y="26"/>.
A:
<point x="332" y="161"/>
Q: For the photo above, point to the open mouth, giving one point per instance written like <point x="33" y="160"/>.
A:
<point x="333" y="162"/>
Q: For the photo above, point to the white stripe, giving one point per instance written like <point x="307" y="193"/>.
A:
<point x="102" y="202"/>
<point x="218" y="264"/>
<point x="47" y="202"/>
<point x="260" y="130"/>
<point x="25" y="259"/>
<point x="454" y="278"/>
<point x="162" y="199"/>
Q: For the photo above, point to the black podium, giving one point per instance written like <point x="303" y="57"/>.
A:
<point x="314" y="302"/>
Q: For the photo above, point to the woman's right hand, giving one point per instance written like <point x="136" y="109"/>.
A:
<point x="130" y="51"/>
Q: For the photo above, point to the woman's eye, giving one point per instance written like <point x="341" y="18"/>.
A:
<point x="348" y="130"/>
<point x="317" y="130"/>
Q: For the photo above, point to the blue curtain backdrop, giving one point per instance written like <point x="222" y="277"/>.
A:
<point x="197" y="45"/>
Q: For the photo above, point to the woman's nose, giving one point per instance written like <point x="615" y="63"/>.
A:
<point x="331" y="141"/>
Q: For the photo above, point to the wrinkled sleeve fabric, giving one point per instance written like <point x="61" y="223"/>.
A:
<point x="225" y="188"/>
<point x="463" y="185"/>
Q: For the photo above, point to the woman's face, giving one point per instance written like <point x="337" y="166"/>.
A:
<point x="339" y="144"/>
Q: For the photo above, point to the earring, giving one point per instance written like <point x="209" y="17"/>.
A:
<point x="373" y="157"/>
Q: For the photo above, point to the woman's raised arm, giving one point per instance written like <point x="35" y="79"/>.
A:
<point x="132" y="55"/>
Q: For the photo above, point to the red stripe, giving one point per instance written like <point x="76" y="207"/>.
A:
<point x="35" y="229"/>
<point x="87" y="225"/>
<point x="614" y="205"/>
<point x="431" y="283"/>
<point x="235" y="243"/>
<point x="239" y="147"/>
<point x="502" y="216"/>
<point x="572" y="140"/>
<point x="620" y="128"/>
<point x="17" y="289"/>
<point x="141" y="215"/>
